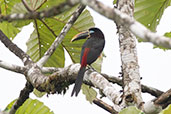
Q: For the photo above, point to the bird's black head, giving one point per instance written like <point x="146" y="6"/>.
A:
<point x="96" y="32"/>
<point x="92" y="32"/>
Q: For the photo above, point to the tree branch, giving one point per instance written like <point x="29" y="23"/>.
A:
<point x="131" y="24"/>
<point x="24" y="95"/>
<point x="12" y="67"/>
<point x="15" y="49"/>
<point x="61" y="36"/>
<point x="164" y="100"/>
<point x="105" y="106"/>
<point x="38" y="15"/>
<point x="19" y="69"/>
<point x="146" y="89"/>
<point x="59" y="81"/>
<point x="129" y="59"/>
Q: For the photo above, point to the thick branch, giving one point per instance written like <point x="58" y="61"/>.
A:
<point x="129" y="59"/>
<point x="60" y="80"/>
<point x="131" y="24"/>
<point x="19" y="69"/>
<point x="61" y="36"/>
<point x="12" y="67"/>
<point x="24" y="95"/>
<point x="14" y="48"/>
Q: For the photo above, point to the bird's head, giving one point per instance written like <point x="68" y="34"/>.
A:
<point x="94" y="32"/>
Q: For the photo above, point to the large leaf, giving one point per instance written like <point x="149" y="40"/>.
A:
<point x="131" y="110"/>
<point x="30" y="106"/>
<point x="40" y="42"/>
<point x="149" y="12"/>
<point x="90" y="93"/>
<point x="51" y="3"/>
<point x="9" y="106"/>
<point x="98" y="63"/>
<point x="7" y="5"/>
<point x="20" y="8"/>
<point x="8" y="29"/>
<point x="33" y="107"/>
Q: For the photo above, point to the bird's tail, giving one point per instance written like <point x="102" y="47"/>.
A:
<point x="78" y="81"/>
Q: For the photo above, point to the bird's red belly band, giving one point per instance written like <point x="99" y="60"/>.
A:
<point x="84" y="58"/>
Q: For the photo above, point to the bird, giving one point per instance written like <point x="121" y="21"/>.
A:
<point x="91" y="50"/>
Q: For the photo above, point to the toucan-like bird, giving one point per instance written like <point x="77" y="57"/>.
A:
<point x="91" y="50"/>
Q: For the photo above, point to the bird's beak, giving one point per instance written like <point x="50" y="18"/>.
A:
<point x="82" y="35"/>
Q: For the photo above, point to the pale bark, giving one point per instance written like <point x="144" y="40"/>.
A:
<point x="129" y="59"/>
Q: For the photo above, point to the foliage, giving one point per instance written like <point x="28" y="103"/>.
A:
<point x="149" y="12"/>
<point x="89" y="92"/>
<point x="131" y="110"/>
<point x="9" y="106"/>
<point x="30" y="106"/>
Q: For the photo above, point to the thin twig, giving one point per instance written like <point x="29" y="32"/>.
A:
<point x="104" y="105"/>
<point x="15" y="49"/>
<point x="164" y="100"/>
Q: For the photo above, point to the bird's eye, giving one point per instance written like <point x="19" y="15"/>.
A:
<point x="91" y="31"/>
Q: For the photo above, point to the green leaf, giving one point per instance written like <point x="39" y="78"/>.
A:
<point x="131" y="110"/>
<point x="9" y="106"/>
<point x="8" y="29"/>
<point x="20" y="8"/>
<point x="97" y="64"/>
<point x="114" y="1"/>
<point x="51" y="3"/>
<point x="89" y="92"/>
<point x="166" y="110"/>
<point x="168" y="34"/>
<point x="31" y="106"/>
<point x="7" y="5"/>
<point x="34" y="4"/>
<point x="38" y="44"/>
<point x="149" y="12"/>
<point x="38" y="93"/>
